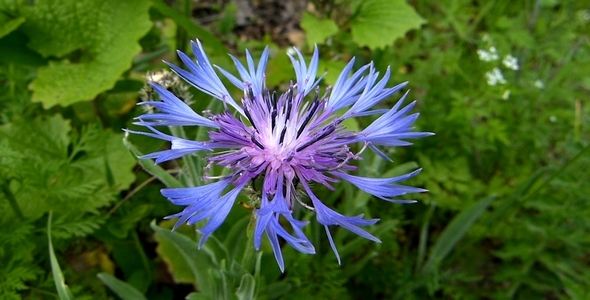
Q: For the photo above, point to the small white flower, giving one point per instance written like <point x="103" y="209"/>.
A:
<point x="490" y="55"/>
<point x="495" y="77"/>
<point x="553" y="119"/>
<point x="506" y="95"/>
<point x="539" y="84"/>
<point x="510" y="62"/>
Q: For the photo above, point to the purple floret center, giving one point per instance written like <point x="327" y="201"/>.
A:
<point x="284" y="137"/>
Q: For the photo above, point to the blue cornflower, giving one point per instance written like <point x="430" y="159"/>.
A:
<point x="284" y="141"/>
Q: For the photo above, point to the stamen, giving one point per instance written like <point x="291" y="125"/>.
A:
<point x="310" y="112"/>
<point x="274" y="100"/>
<point x="273" y="118"/>
<point x="253" y="139"/>
<point x="328" y="130"/>
<point x="289" y="103"/>
<point x="247" y="113"/>
<point x="283" y="134"/>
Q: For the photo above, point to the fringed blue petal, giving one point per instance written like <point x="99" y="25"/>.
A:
<point x="174" y="112"/>
<point x="268" y="221"/>
<point x="202" y="75"/>
<point x="253" y="76"/>
<point x="327" y="216"/>
<point x="179" y="147"/>
<point x="383" y="188"/>
<point x="306" y="76"/>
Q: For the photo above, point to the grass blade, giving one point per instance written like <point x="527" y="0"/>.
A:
<point x="454" y="232"/>
<point x="58" y="278"/>
<point x="123" y="289"/>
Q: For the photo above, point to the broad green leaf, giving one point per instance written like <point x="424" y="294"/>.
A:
<point x="181" y="271"/>
<point x="123" y="289"/>
<point x="317" y="30"/>
<point x="198" y="261"/>
<point x="378" y="23"/>
<point x="454" y="232"/>
<point x="58" y="277"/>
<point x="99" y="39"/>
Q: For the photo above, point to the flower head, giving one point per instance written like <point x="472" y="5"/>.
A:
<point x="285" y="141"/>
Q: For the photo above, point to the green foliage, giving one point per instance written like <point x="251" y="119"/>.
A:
<point x="318" y="30"/>
<point x="122" y="289"/>
<point x="95" y="45"/>
<point x="62" y="289"/>
<point x="378" y="23"/>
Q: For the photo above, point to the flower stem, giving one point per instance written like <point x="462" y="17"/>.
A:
<point x="249" y="251"/>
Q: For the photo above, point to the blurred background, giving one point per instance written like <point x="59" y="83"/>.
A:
<point x="504" y="85"/>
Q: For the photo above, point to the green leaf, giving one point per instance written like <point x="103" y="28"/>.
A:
<point x="378" y="23"/>
<point x="53" y="168"/>
<point x="197" y="296"/>
<point x="317" y="30"/>
<point x="121" y="288"/>
<point x="58" y="277"/>
<point x="181" y="271"/>
<point x="198" y="260"/>
<point x="454" y="232"/>
<point x="97" y="40"/>
<point x="247" y="287"/>
<point x="9" y="26"/>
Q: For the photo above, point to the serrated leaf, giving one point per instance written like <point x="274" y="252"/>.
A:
<point x="378" y="23"/>
<point x="121" y="288"/>
<point x="49" y="172"/>
<point x="104" y="36"/>
<point x="317" y="30"/>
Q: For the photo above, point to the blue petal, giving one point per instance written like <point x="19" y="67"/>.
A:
<point x="373" y="93"/>
<point x="191" y="195"/>
<point x="306" y="76"/>
<point x="345" y="90"/>
<point x="174" y="112"/>
<point x="219" y="212"/>
<point x="179" y="147"/>
<point x="327" y="216"/>
<point x="202" y="75"/>
<point x="268" y="221"/>
<point x="382" y="187"/>
<point x="253" y="76"/>
<point x="390" y="128"/>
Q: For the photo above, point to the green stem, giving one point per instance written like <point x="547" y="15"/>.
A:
<point x="249" y="252"/>
<point x="12" y="201"/>
<point x="142" y="256"/>
<point x="424" y="238"/>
